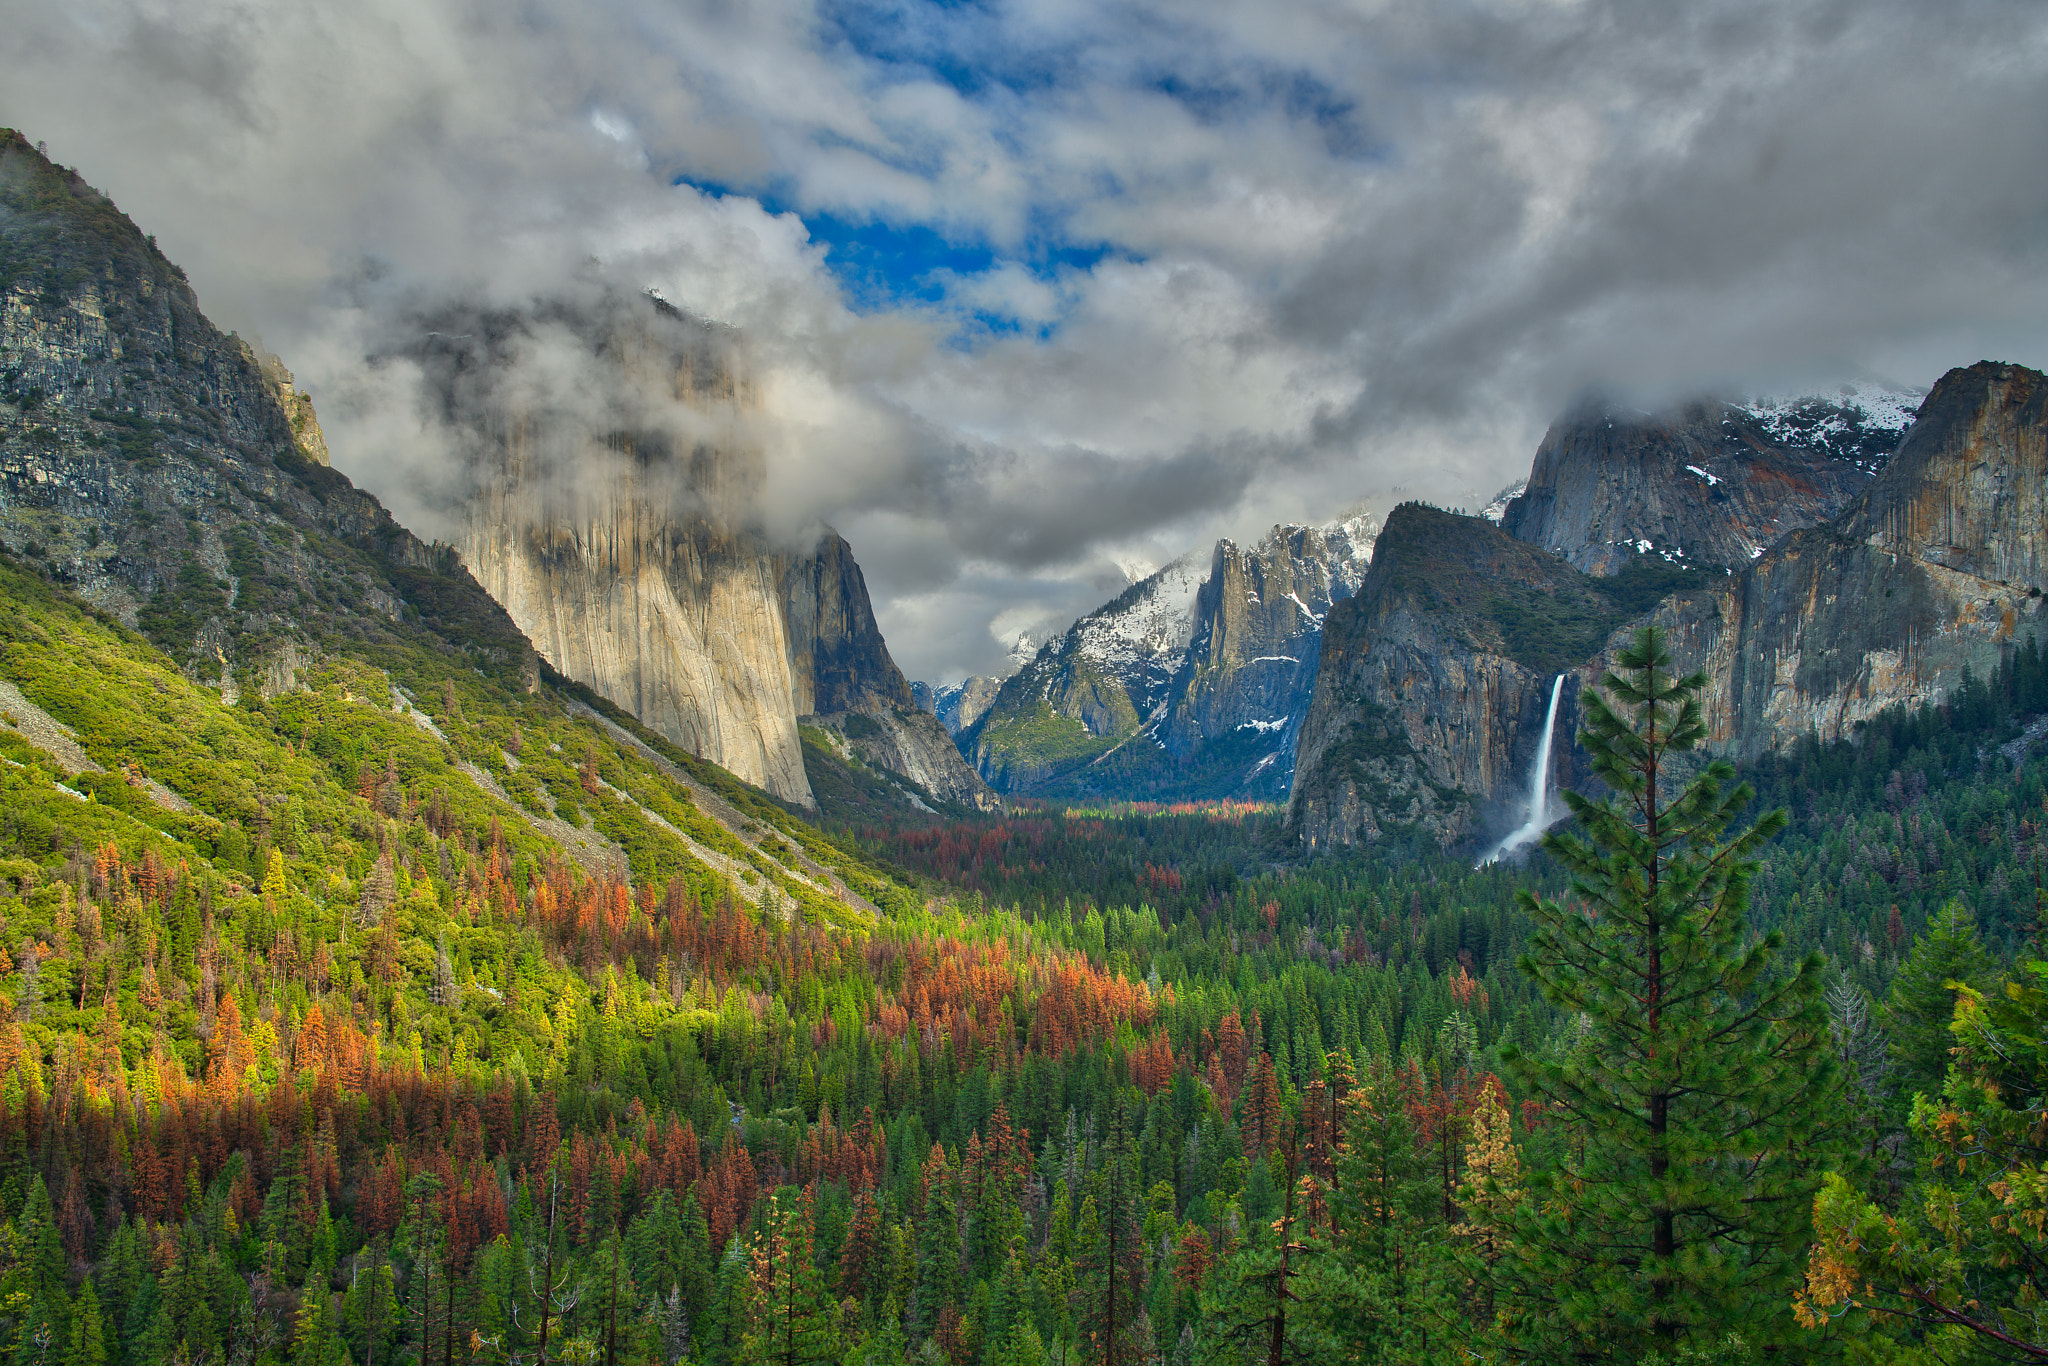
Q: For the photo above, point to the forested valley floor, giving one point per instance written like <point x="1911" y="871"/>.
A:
<point x="320" y="1049"/>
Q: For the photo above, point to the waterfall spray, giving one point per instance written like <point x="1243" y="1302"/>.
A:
<point x="1538" y="819"/>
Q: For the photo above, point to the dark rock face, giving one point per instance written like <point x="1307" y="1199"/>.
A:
<point x="146" y="462"/>
<point x="1435" y="678"/>
<point x="846" y="683"/>
<point x="1709" y="484"/>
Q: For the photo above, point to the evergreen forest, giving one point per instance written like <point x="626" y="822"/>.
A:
<point x="325" y="1045"/>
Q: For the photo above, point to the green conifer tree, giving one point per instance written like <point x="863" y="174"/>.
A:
<point x="88" y="1330"/>
<point x="1917" y="1013"/>
<point x="1699" y="1106"/>
<point x="792" y="1321"/>
<point x="1387" y="1296"/>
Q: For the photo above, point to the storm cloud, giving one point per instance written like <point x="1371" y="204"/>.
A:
<point x="1173" y="270"/>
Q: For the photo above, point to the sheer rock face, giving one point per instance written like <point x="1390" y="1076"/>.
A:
<point x="618" y="527"/>
<point x="681" y="625"/>
<point x="1251" y="662"/>
<point x="1710" y="484"/>
<point x="1938" y="566"/>
<point x="1423" y="719"/>
<point x="845" y="681"/>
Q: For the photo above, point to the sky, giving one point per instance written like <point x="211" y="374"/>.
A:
<point x="1036" y="292"/>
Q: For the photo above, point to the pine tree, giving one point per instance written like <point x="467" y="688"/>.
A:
<point x="1387" y="1294"/>
<point x="1966" y="1254"/>
<point x="1700" y="1102"/>
<point x="1109" y="1255"/>
<point x="792" y="1321"/>
<point x="1917" y="1013"/>
<point x="1256" y="1310"/>
<point x="88" y="1331"/>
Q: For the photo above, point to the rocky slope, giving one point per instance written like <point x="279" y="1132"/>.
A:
<point x="163" y="473"/>
<point x="958" y="705"/>
<point x="620" y="533"/>
<point x="147" y="464"/>
<point x="1188" y="684"/>
<point x="1712" y="484"/>
<point x="1435" y="676"/>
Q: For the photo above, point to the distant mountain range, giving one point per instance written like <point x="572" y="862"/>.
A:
<point x="1191" y="683"/>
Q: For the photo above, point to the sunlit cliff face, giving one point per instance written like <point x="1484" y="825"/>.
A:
<point x="612" y="505"/>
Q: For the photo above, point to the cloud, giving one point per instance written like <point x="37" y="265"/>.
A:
<point x="1193" y="267"/>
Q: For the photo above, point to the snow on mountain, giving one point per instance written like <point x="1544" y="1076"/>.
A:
<point x="1861" y="422"/>
<point x="1498" y="508"/>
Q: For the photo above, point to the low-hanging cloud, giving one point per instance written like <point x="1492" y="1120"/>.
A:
<point x="1318" y="254"/>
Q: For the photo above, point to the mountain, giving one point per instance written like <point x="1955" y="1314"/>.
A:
<point x="239" y="657"/>
<point x="1937" y="568"/>
<point x="1435" y="677"/>
<point x="1187" y="684"/>
<point x="958" y="705"/>
<point x="621" y="533"/>
<point x="1709" y="483"/>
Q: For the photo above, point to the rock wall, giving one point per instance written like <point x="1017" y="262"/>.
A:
<point x="1434" y="678"/>
<point x="618" y="527"/>
<point x="1937" y="567"/>
<point x="1186" y="685"/>
<point x="1251" y="663"/>
<point x="1424" y="721"/>
<point x="147" y="463"/>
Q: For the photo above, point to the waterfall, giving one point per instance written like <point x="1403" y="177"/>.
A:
<point x="1539" y="817"/>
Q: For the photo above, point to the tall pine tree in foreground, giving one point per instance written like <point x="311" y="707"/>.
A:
<point x="1699" y="1100"/>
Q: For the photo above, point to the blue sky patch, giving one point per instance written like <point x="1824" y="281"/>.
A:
<point x="882" y="265"/>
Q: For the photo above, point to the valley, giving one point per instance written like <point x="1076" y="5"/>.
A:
<point x="579" y="940"/>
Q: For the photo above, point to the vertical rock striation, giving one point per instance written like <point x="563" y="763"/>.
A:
<point x="1186" y="685"/>
<point x="615" y="515"/>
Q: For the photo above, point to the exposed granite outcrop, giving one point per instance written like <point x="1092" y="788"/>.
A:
<point x="621" y="535"/>
<point x="958" y="705"/>
<point x="1434" y="678"/>
<point x="147" y="464"/>
<point x="1939" y="566"/>
<point x="1709" y="483"/>
<point x="1434" y="681"/>
<point x="1186" y="685"/>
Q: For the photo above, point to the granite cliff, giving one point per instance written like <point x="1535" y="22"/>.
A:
<point x="1434" y="677"/>
<point x="1188" y="684"/>
<point x="1709" y="483"/>
<point x="1938" y="566"/>
<point x="148" y="463"/>
<point x="620" y="531"/>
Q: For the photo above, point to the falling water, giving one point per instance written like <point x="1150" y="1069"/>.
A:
<point x="1539" y="818"/>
